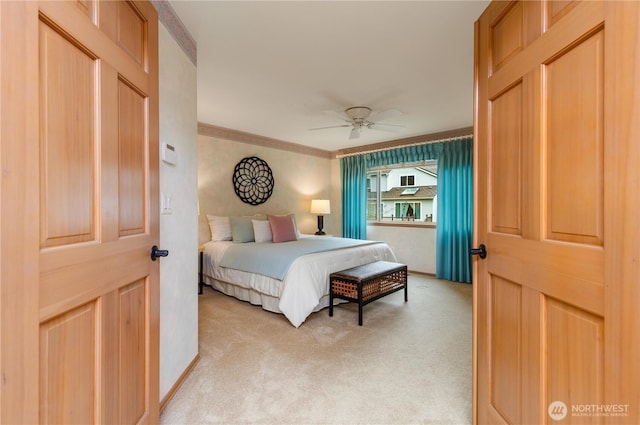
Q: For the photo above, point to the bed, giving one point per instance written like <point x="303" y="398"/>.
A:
<point x="300" y="285"/>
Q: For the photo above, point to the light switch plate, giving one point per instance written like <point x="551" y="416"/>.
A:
<point x="166" y="202"/>
<point x="169" y="154"/>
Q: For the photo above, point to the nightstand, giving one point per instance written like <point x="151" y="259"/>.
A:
<point x="200" y="276"/>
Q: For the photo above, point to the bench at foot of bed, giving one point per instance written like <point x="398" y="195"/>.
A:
<point x="367" y="283"/>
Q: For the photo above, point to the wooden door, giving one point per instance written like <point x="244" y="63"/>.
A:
<point x="80" y="208"/>
<point x="557" y="299"/>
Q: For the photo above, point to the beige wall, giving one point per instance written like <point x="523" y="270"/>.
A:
<point x="413" y="246"/>
<point x="299" y="178"/>
<point x="179" y="230"/>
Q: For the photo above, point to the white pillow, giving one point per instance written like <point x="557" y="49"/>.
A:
<point x="220" y="228"/>
<point x="295" y="225"/>
<point x="262" y="230"/>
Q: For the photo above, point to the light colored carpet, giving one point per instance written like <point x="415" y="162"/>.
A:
<point x="410" y="363"/>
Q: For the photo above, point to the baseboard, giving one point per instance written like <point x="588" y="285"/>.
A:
<point x="178" y="384"/>
<point x="422" y="273"/>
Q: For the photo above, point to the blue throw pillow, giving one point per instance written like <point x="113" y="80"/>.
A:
<point x="242" y="229"/>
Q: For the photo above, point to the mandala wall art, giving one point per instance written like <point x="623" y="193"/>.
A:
<point x="253" y="180"/>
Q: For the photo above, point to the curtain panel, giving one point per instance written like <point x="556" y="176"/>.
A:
<point x="454" y="230"/>
<point x="354" y="197"/>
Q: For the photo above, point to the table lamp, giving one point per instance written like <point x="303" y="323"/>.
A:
<point x="320" y="207"/>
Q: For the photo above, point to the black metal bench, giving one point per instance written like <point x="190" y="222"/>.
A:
<point x="367" y="283"/>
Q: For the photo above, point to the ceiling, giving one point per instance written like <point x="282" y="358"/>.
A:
<point x="274" y="69"/>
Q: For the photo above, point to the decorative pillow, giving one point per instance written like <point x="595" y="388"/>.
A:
<point x="241" y="229"/>
<point x="262" y="230"/>
<point x="220" y="228"/>
<point x="282" y="228"/>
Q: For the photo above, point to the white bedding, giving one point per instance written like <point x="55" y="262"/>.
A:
<point x="306" y="285"/>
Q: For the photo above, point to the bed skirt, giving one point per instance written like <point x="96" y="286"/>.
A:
<point x="267" y="302"/>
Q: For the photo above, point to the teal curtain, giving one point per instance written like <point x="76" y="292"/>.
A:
<point x="354" y="197"/>
<point x="404" y="155"/>
<point x="454" y="230"/>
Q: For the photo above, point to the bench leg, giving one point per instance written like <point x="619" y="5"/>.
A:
<point x="330" y="302"/>
<point x="406" y="292"/>
<point x="360" y="304"/>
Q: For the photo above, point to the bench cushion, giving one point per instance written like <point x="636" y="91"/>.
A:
<point x="368" y="271"/>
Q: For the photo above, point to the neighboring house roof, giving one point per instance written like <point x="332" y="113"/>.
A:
<point x="431" y="169"/>
<point x="396" y="193"/>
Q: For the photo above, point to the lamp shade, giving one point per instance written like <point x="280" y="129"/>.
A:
<point x="320" y="206"/>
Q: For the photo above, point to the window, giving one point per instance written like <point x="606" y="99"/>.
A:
<point x="407" y="180"/>
<point x="406" y="193"/>
<point x="409" y="211"/>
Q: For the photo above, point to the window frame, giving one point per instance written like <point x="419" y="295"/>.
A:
<point x="407" y="177"/>
<point x="377" y="199"/>
<point x="416" y="205"/>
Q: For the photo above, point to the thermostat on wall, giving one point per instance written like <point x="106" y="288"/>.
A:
<point x="169" y="154"/>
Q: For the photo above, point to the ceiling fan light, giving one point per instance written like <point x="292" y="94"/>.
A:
<point x="358" y="112"/>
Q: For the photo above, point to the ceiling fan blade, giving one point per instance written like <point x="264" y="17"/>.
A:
<point x="355" y="133"/>
<point x="385" y="115"/>
<point x="379" y="124"/>
<point x="331" y="126"/>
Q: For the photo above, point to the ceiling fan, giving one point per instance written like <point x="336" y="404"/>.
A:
<point x="357" y="118"/>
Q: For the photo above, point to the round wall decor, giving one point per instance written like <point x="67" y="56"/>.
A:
<point x="253" y="180"/>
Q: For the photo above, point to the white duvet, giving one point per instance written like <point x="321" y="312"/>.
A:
<point x="307" y="280"/>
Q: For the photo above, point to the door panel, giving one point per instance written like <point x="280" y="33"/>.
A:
<point x="574" y="343"/>
<point x="507" y="36"/>
<point x="67" y="89"/>
<point x="550" y="207"/>
<point x="575" y="132"/>
<point x="132" y="159"/>
<point x="133" y="379"/>
<point x="506" y="175"/>
<point x="124" y="25"/>
<point x="557" y="9"/>
<point x="506" y="347"/>
<point x="67" y="367"/>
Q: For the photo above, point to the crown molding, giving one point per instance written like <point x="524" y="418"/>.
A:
<point x="177" y="29"/>
<point x="254" y="139"/>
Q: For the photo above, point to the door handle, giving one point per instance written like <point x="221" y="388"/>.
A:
<point x="481" y="251"/>
<point x="157" y="253"/>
